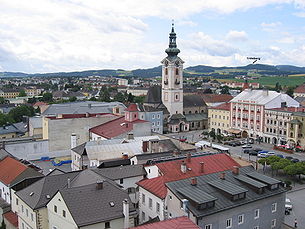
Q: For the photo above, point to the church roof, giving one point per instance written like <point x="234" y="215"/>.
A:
<point x="193" y="101"/>
<point x="153" y="95"/>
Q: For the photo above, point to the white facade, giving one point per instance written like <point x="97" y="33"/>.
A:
<point x="172" y="85"/>
<point x="150" y="206"/>
<point x="5" y="193"/>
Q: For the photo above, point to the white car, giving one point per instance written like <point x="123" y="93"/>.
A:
<point x="262" y="155"/>
<point x="288" y="204"/>
<point x="246" y="146"/>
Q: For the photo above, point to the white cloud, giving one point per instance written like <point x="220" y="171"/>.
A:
<point x="186" y="23"/>
<point x="300" y="14"/>
<point x="270" y="27"/>
<point x="234" y="35"/>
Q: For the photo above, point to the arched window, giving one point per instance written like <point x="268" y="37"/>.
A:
<point x="177" y="71"/>
<point x="166" y="71"/>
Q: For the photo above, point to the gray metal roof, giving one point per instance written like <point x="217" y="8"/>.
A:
<point x="263" y="178"/>
<point x="196" y="117"/>
<point x="250" y="181"/>
<point x="4" y="153"/>
<point x="93" y="205"/>
<point x="119" y="172"/>
<point x="196" y="194"/>
<point x="223" y="202"/>
<point x="227" y="187"/>
<point x="82" y="108"/>
<point x="43" y="188"/>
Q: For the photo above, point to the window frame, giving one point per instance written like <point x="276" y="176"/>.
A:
<point x="273" y="207"/>
<point x="242" y="219"/>
<point x="256" y="216"/>
<point x="230" y="224"/>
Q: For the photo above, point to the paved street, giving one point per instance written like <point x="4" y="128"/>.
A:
<point x="298" y="201"/>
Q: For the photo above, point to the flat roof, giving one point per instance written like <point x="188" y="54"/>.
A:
<point x="227" y="187"/>
<point x="263" y="178"/>
<point x="196" y="194"/>
<point x="250" y="181"/>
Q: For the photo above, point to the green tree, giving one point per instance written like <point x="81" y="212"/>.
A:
<point x="225" y="90"/>
<point x="278" y="87"/>
<point x="22" y="93"/>
<point x="119" y="97"/>
<point x="72" y="99"/>
<point x="32" y="100"/>
<point x="104" y="94"/>
<point x="272" y="159"/>
<point x="93" y="99"/>
<point x="290" y="91"/>
<point x="5" y="119"/>
<point x="18" y="112"/>
<point x="47" y="97"/>
<point x="212" y="134"/>
<point x="139" y="99"/>
<point x="130" y="98"/>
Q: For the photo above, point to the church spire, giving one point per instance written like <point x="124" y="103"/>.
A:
<point x="172" y="49"/>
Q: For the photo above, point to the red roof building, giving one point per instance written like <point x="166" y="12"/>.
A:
<point x="176" y="223"/>
<point x="223" y="106"/>
<point x="115" y="127"/>
<point x="210" y="99"/>
<point x="10" y="169"/>
<point x="300" y="89"/>
<point x="196" y="166"/>
<point x="11" y="218"/>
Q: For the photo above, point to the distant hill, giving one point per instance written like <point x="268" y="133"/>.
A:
<point x="199" y="70"/>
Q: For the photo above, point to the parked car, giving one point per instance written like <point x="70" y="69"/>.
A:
<point x="246" y="147"/>
<point x="295" y="160"/>
<point x="253" y="152"/>
<point x="288" y="204"/>
<point x="280" y="155"/>
<point x="257" y="149"/>
<point x="262" y="155"/>
<point x="270" y="154"/>
<point x="289" y="158"/>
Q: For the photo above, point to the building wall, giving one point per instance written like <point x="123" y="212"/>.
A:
<point x="218" y="220"/>
<point x="156" y="120"/>
<point x="58" y="131"/>
<point x="5" y="192"/>
<point x="219" y="120"/>
<point x="76" y="161"/>
<point x="8" y="135"/>
<point x="27" y="217"/>
<point x="296" y="132"/>
<point x="152" y="171"/>
<point x="150" y="213"/>
<point x="95" y="137"/>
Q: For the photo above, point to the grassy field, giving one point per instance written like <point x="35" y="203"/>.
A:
<point x="292" y="80"/>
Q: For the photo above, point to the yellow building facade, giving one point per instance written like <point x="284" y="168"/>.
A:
<point x="219" y="118"/>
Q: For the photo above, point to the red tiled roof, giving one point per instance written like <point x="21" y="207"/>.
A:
<point x="12" y="218"/>
<point x="10" y="168"/>
<point x="224" y="106"/>
<point x="176" y="223"/>
<point x="215" y="98"/>
<point x="171" y="171"/>
<point x="300" y="89"/>
<point x="37" y="104"/>
<point x="132" y="107"/>
<point x="115" y="127"/>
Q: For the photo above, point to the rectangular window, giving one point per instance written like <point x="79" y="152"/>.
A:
<point x="273" y="207"/>
<point x="143" y="198"/>
<point x="17" y="201"/>
<point x="32" y="217"/>
<point x="27" y="212"/>
<point x="121" y="181"/>
<point x="256" y="214"/>
<point x="209" y="226"/>
<point x="229" y="223"/>
<point x="143" y="216"/>
<point x="150" y="203"/>
<point x="157" y="207"/>
<point x="63" y="213"/>
<point x="240" y="219"/>
<point x="153" y="116"/>
<point x="158" y="116"/>
<point x="22" y="208"/>
<point x="107" y="224"/>
<point x="55" y="208"/>
<point x="256" y="227"/>
<point x="273" y="223"/>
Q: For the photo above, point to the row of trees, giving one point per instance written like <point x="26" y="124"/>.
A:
<point x="280" y="164"/>
<point x="16" y="114"/>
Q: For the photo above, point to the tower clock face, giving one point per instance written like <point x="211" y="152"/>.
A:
<point x="177" y="63"/>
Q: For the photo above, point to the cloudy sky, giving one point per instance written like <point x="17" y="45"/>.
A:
<point x="71" y="35"/>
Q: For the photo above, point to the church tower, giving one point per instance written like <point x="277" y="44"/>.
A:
<point x="172" y="77"/>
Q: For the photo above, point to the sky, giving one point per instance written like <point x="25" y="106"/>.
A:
<point x="39" y="36"/>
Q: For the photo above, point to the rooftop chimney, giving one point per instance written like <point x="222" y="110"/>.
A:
<point x="183" y="167"/>
<point x="188" y="157"/>
<point x="125" y="156"/>
<point x="126" y="213"/>
<point x="87" y="115"/>
<point x="185" y="203"/>
<point x="194" y="181"/>
<point x="69" y="183"/>
<point x="73" y="140"/>
<point x="99" y="184"/>
<point x="130" y="136"/>
<point x="145" y="146"/>
<point x="222" y="176"/>
<point x="235" y="170"/>
<point x="202" y="167"/>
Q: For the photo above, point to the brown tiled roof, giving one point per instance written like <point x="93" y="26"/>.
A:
<point x="300" y="89"/>
<point x="215" y="98"/>
<point x="12" y="218"/>
<point x="10" y="169"/>
<point x="224" y="106"/>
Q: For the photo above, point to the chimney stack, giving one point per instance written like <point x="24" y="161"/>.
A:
<point x="125" y="156"/>
<point x="73" y="140"/>
<point x="130" y="136"/>
<point x="126" y="213"/>
<point x="185" y="203"/>
<point x="99" y="184"/>
<point x="188" y="157"/>
<point x="145" y="146"/>
<point x="235" y="170"/>
<point x="202" y="167"/>
<point x="69" y="183"/>
<point x="194" y="181"/>
<point x="222" y="176"/>
<point x="183" y="167"/>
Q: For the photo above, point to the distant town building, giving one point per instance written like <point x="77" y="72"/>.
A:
<point x="299" y="91"/>
<point x="241" y="85"/>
